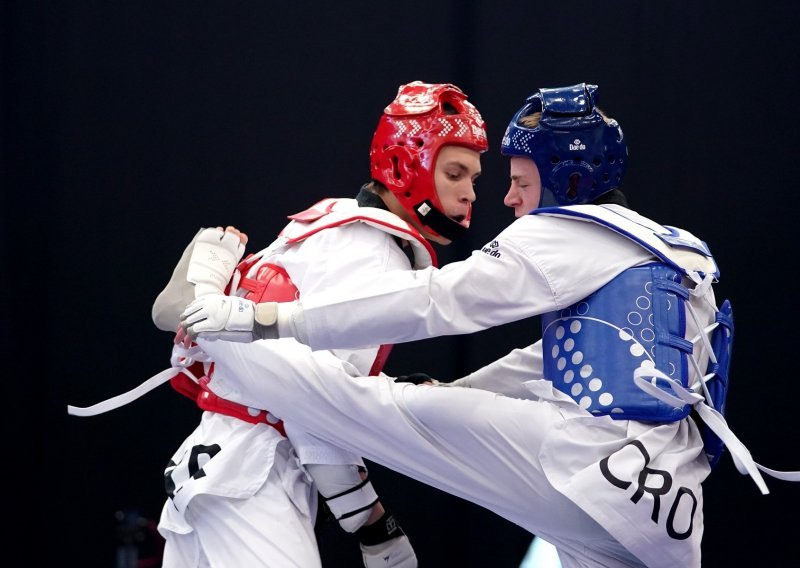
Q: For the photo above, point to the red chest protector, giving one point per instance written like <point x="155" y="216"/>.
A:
<point x="271" y="283"/>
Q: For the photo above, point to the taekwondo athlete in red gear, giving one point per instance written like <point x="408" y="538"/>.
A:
<point x="425" y="156"/>
<point x="594" y="449"/>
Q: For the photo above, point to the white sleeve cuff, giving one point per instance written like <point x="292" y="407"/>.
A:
<point x="291" y="322"/>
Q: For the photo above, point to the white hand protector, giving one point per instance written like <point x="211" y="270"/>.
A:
<point x="396" y="553"/>
<point x="216" y="316"/>
<point x="214" y="258"/>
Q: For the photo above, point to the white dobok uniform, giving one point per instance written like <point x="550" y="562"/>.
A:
<point x="241" y="497"/>
<point x="605" y="492"/>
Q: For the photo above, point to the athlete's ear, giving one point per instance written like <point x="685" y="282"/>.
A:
<point x="397" y="166"/>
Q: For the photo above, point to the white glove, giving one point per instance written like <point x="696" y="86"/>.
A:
<point x="395" y="553"/>
<point x="217" y="316"/>
<point x="214" y="258"/>
<point x="230" y="318"/>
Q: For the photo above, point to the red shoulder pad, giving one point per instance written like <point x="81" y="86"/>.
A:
<point x="316" y="211"/>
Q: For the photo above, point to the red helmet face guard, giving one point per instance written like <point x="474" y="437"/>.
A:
<point x="414" y="127"/>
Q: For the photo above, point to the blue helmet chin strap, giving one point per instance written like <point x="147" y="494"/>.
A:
<point x="580" y="154"/>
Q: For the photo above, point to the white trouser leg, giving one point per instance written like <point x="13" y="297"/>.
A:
<point x="274" y="527"/>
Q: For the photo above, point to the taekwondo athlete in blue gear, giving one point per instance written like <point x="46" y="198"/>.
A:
<point x="627" y="325"/>
<point x="597" y="446"/>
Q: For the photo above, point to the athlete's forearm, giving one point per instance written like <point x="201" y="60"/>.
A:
<point x="176" y="295"/>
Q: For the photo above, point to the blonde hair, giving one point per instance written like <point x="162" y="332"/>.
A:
<point x="532" y="120"/>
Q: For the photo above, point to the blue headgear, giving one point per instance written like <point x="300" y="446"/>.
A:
<point x="580" y="156"/>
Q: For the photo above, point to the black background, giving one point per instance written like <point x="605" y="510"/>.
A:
<point x="128" y="125"/>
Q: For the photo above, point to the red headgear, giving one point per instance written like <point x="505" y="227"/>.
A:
<point x="423" y="118"/>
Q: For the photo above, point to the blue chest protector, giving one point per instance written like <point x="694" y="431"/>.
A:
<point x="636" y="325"/>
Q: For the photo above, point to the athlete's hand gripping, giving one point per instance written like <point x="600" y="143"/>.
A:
<point x="230" y="318"/>
<point x="417" y="379"/>
<point x="214" y="258"/>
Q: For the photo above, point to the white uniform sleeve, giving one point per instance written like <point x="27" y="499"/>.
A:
<point x="349" y="256"/>
<point x="177" y="294"/>
<point x="507" y="374"/>
<point x="536" y="265"/>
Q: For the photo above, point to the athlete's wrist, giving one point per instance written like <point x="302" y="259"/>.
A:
<point x="290" y="321"/>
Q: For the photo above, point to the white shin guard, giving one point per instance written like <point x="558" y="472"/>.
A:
<point x="349" y="498"/>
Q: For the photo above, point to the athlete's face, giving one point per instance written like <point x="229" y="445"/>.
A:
<point x="526" y="186"/>
<point x="455" y="173"/>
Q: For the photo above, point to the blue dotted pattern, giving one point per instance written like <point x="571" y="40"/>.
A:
<point x="592" y="348"/>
